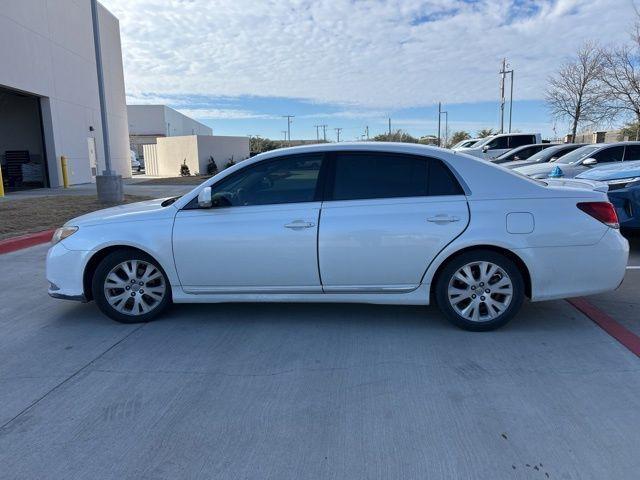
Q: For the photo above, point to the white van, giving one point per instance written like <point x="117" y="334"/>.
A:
<point x="496" y="145"/>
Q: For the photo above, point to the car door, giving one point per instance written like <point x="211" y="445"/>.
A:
<point x="260" y="235"/>
<point x="384" y="218"/>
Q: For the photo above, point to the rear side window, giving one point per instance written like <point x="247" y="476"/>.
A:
<point x="632" y="152"/>
<point x="516" y="141"/>
<point x="362" y="175"/>
<point x="611" y="154"/>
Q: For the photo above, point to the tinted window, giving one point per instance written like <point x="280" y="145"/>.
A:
<point x="382" y="175"/>
<point x="611" y="154"/>
<point x="285" y="180"/>
<point x="498" y="143"/>
<point x="520" y="140"/>
<point x="632" y="152"/>
<point x="366" y="175"/>
<point x="441" y="180"/>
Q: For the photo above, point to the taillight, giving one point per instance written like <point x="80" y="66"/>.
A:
<point x="602" y="211"/>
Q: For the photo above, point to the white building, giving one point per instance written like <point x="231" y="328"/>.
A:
<point x="150" y="122"/>
<point x="49" y="103"/>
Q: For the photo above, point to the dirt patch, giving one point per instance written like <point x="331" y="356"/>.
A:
<point x="19" y="217"/>
<point x="193" y="180"/>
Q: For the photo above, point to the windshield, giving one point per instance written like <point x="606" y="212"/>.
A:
<point x="544" y="155"/>
<point x="577" y="155"/>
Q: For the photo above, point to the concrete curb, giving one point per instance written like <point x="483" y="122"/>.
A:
<point x="25" y="241"/>
<point x="623" y="335"/>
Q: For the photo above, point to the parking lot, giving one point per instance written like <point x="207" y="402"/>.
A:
<point x="308" y="391"/>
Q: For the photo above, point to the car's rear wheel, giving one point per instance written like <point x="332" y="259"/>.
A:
<point x="480" y="290"/>
<point x="130" y="287"/>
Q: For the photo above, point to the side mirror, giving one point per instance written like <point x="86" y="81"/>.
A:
<point x="589" y="162"/>
<point x="485" y="149"/>
<point x="516" y="158"/>
<point x="204" y="198"/>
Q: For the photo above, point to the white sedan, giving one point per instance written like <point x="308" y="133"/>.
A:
<point x="366" y="222"/>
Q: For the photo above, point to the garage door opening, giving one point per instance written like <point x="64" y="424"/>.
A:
<point x="22" y="153"/>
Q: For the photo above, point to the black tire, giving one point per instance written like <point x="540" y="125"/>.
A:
<point x="486" y="324"/>
<point x="111" y="261"/>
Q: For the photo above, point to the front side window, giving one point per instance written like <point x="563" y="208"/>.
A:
<point x="284" y="180"/>
<point x="611" y="154"/>
<point x="372" y="175"/>
<point x="499" y="143"/>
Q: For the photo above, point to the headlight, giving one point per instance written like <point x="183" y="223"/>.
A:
<point x="623" y="181"/>
<point x="62" y="233"/>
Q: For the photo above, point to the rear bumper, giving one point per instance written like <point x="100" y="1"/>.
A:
<point x="575" y="271"/>
<point x="627" y="203"/>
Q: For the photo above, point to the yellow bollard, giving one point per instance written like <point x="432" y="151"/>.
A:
<point x="1" y="184"/>
<point x="65" y="178"/>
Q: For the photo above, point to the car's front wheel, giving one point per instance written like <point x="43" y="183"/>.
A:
<point x="130" y="287"/>
<point x="480" y="290"/>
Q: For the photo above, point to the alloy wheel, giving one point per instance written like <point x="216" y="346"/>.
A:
<point x="134" y="287"/>
<point x="480" y="291"/>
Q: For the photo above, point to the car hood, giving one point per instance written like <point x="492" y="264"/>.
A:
<point x="543" y="170"/>
<point x="613" y="171"/>
<point x="124" y="213"/>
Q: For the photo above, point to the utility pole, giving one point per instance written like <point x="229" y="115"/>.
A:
<point x="366" y="131"/>
<point x="108" y="185"/>
<point x="324" y="131"/>
<point x="289" y="117"/>
<point x="318" y="132"/>
<point x="284" y="132"/>
<point x="338" y="130"/>
<point x="503" y="74"/>
<point x="439" y="115"/>
<point x="389" y="127"/>
<point x="446" y="126"/>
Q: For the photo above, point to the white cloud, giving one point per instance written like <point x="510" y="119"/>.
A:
<point x="223" y="114"/>
<point x="373" y="54"/>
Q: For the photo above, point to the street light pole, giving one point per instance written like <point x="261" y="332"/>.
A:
<point x="108" y="185"/>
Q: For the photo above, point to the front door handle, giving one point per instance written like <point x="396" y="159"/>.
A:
<point x="299" y="225"/>
<point x="443" y="219"/>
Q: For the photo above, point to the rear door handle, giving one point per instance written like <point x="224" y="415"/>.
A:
<point x="443" y="219"/>
<point x="299" y="225"/>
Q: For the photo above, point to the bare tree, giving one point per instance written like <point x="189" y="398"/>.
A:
<point x="576" y="92"/>
<point x="621" y="75"/>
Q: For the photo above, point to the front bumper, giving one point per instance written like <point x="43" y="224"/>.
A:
<point x="627" y="204"/>
<point x="64" y="272"/>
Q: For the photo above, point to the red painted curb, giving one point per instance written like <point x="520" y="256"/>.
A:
<point x="24" y="241"/>
<point x="608" y="324"/>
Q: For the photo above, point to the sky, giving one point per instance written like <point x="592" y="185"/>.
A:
<point x="239" y="65"/>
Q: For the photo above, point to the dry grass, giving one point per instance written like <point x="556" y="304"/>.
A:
<point x="19" y="217"/>
<point x="193" y="180"/>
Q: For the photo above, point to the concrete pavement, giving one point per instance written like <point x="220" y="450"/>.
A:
<point x="306" y="391"/>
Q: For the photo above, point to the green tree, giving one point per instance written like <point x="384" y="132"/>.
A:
<point x="397" y="136"/>
<point x="458" y="137"/>
<point x="485" y="132"/>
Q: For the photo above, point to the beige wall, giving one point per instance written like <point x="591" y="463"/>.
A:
<point x="196" y="150"/>
<point x="173" y="151"/>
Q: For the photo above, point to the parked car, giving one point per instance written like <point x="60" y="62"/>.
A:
<point x="466" y="143"/>
<point x="547" y="155"/>
<point x="363" y="222"/>
<point x="521" y="153"/>
<point x="135" y="164"/>
<point x="496" y="145"/>
<point x="584" y="158"/>
<point x="624" y="189"/>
